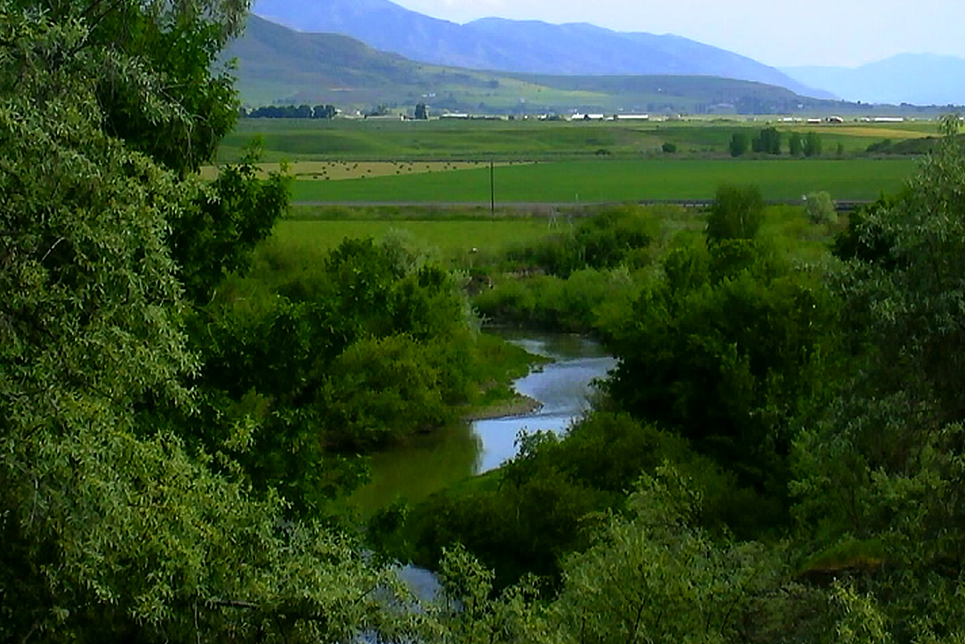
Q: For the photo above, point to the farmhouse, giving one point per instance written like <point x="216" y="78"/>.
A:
<point x="588" y="117"/>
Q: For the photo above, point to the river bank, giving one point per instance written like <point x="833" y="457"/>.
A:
<point x="550" y="397"/>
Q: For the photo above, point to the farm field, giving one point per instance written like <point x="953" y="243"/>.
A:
<point x="618" y="180"/>
<point x="339" y="170"/>
<point x="531" y="140"/>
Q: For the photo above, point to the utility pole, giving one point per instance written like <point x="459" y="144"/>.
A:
<point x="492" y="189"/>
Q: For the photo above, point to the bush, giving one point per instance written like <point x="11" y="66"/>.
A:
<point x="737" y="213"/>
<point x="669" y="148"/>
<point x="820" y="208"/>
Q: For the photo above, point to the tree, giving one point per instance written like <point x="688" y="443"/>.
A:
<point x="883" y="462"/>
<point x="112" y="529"/>
<point x="812" y="144"/>
<point x="738" y="144"/>
<point x="421" y="112"/>
<point x="767" y="141"/>
<point x="795" y="144"/>
<point x="737" y="213"/>
<point x="820" y="208"/>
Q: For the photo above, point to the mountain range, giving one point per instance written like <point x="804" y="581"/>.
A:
<point x="921" y="79"/>
<point x="276" y="64"/>
<point x="519" y="46"/>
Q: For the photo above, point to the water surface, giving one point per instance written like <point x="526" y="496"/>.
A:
<point x="432" y="462"/>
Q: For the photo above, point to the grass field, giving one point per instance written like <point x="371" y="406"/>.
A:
<point x="608" y="181"/>
<point x="531" y="140"/>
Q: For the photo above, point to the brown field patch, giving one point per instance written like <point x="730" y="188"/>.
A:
<point x="340" y="170"/>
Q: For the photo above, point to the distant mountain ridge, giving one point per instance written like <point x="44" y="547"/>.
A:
<point x="519" y="46"/>
<point x="276" y="64"/>
<point x="920" y="79"/>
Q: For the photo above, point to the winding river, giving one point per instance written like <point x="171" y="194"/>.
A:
<point x="563" y="387"/>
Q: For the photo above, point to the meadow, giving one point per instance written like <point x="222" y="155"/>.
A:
<point x="529" y="139"/>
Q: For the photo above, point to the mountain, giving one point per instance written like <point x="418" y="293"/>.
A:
<point x="920" y="79"/>
<point x="276" y="64"/>
<point x="518" y="46"/>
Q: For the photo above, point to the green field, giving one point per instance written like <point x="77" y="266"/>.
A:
<point x="609" y="181"/>
<point x="530" y="140"/>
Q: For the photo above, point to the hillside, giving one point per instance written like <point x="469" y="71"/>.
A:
<point x="921" y="79"/>
<point x="276" y="64"/>
<point x="518" y="46"/>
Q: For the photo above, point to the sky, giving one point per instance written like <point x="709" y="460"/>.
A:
<point x="789" y="33"/>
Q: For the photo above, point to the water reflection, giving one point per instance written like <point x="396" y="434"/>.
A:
<point x="564" y="388"/>
<point x="436" y="461"/>
<point x="425" y="465"/>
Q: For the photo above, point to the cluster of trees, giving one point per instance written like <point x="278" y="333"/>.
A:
<point x="768" y="141"/>
<point x="303" y="111"/>
<point x="170" y="433"/>
<point x="792" y="436"/>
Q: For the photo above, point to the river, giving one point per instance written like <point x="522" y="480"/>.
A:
<point x="435" y="461"/>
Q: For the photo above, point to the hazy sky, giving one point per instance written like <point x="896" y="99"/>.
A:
<point x="793" y="32"/>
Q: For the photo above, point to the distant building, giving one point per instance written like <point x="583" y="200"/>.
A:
<point x="588" y="117"/>
<point x="631" y="117"/>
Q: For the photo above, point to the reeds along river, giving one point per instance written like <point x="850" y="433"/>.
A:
<point x="435" y="461"/>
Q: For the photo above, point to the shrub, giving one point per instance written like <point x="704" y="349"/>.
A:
<point x="820" y="208"/>
<point x="737" y="213"/>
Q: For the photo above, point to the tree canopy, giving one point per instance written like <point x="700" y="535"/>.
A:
<point x="111" y="529"/>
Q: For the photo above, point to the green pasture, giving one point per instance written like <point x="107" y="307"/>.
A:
<point x="532" y="140"/>
<point x="618" y="180"/>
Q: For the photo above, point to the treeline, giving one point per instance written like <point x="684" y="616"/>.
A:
<point x="769" y="141"/>
<point x="303" y="111"/>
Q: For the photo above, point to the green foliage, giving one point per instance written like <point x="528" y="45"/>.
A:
<point x="655" y="576"/>
<point x="820" y="208"/>
<point x="601" y="241"/>
<point x="738" y="144"/>
<point x="651" y="574"/>
<point x="726" y="354"/>
<point x="812" y="144"/>
<point x="589" y="301"/>
<point x="767" y="141"/>
<point x="668" y="147"/>
<point x="372" y="347"/>
<point x="882" y="461"/>
<point x="795" y="144"/>
<point x="112" y="529"/>
<point x="215" y="235"/>
<point x="737" y="213"/>
<point x="381" y="388"/>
